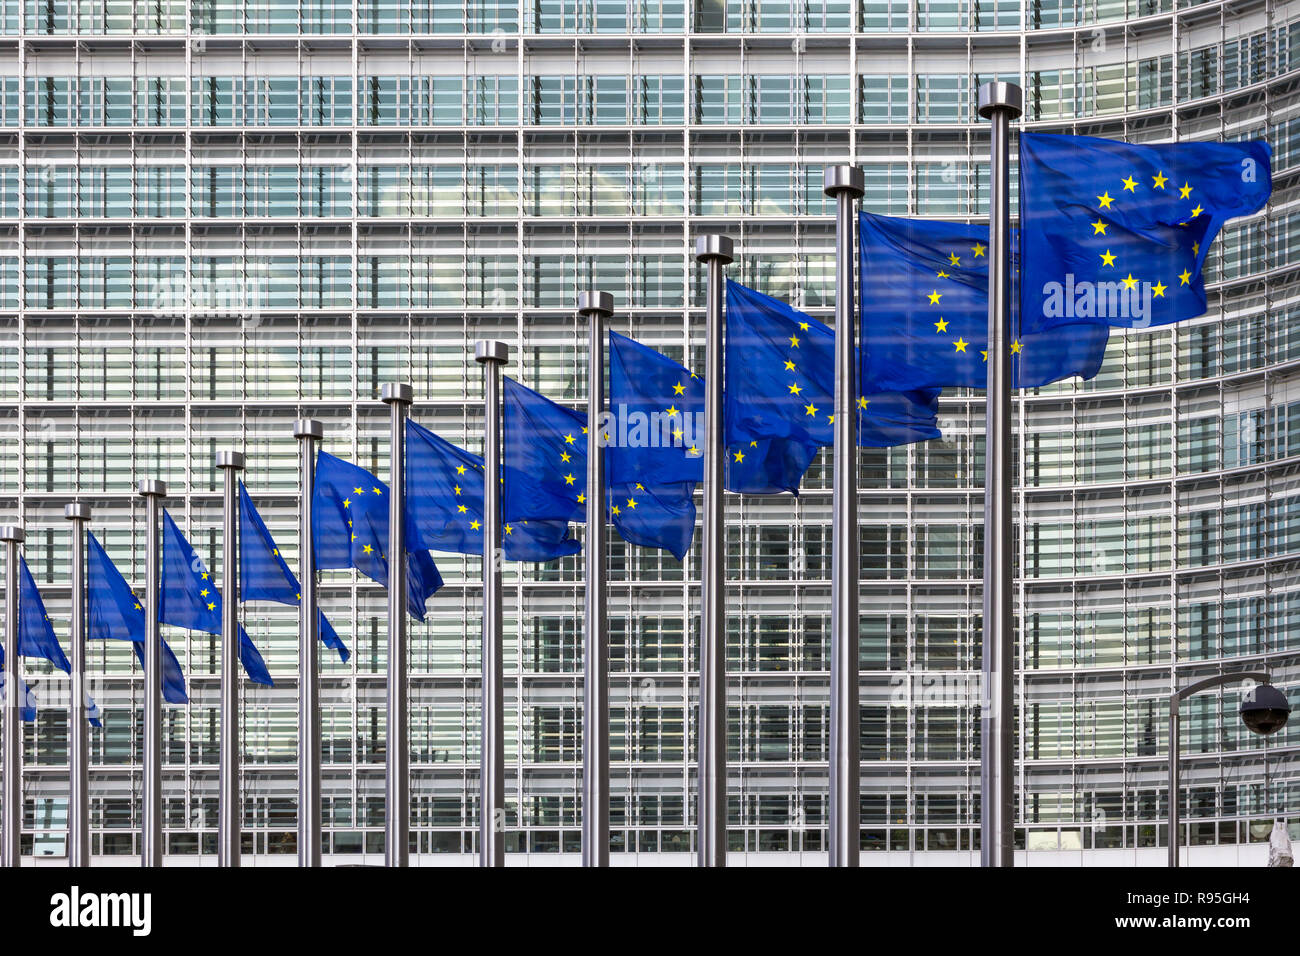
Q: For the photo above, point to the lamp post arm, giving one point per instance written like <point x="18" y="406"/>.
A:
<point x="1218" y="680"/>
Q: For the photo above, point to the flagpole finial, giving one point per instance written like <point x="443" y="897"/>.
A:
<point x="601" y="302"/>
<point x="150" y="487"/>
<point x="76" y="511"/>
<point x="491" y="350"/>
<point x="714" y="246"/>
<point x="308" y="428"/>
<point x="996" y="95"/>
<point x="845" y="178"/>
<point x="230" y="459"/>
<point x="396" y="392"/>
<point x="12" y="533"/>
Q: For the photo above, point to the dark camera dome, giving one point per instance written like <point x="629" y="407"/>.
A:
<point x="1265" y="709"/>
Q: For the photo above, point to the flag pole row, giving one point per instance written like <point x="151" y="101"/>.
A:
<point x="1060" y="331"/>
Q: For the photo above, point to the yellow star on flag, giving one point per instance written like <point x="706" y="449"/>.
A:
<point x="1099" y="228"/>
<point x="1108" y="258"/>
<point x="941" y="325"/>
<point x="977" y="250"/>
<point x="960" y="345"/>
<point x="1185" y="277"/>
<point x="1130" y="184"/>
<point x="1104" y="200"/>
<point x="1130" y="282"/>
<point x="1159" y="180"/>
<point x="935" y="296"/>
<point x="1158" y="290"/>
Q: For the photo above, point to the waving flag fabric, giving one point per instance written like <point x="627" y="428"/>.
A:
<point x="190" y="598"/>
<point x="113" y="613"/>
<point x="925" y="301"/>
<point x="350" y="530"/>
<point x="36" y="633"/>
<point x="546" y="476"/>
<point x="264" y="575"/>
<point x="1117" y="234"/>
<point x="780" y="386"/>
<point x="653" y="453"/>
<point x="445" y="504"/>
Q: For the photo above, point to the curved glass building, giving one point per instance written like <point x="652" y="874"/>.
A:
<point x="219" y="216"/>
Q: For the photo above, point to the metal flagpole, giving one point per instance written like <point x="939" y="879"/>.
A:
<point x="78" y="725"/>
<point x="397" y="790"/>
<point x="308" y="432"/>
<point x="492" y="771"/>
<point x="228" y="805"/>
<point x="151" y="835"/>
<point x="597" y="307"/>
<point x="999" y="103"/>
<point x="844" y="183"/>
<point x="12" y="822"/>
<point x="714" y="251"/>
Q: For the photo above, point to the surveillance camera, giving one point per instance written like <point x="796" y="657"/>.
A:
<point x="1265" y="709"/>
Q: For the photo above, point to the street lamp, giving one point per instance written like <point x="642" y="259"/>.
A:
<point x="1264" y="709"/>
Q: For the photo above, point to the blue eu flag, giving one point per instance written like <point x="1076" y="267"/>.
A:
<point x="658" y="407"/>
<point x="36" y="632"/>
<point x="925" y="302"/>
<point x="545" y="458"/>
<point x="652" y="454"/>
<point x="264" y="575"/>
<point x="1117" y="234"/>
<point x="113" y="613"/>
<point x="546" y="476"/>
<point x="190" y="598"/>
<point x="444" y="499"/>
<point x="350" y="530"/>
<point x="780" y="386"/>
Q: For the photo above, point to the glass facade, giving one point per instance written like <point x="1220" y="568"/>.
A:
<point x="222" y="215"/>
